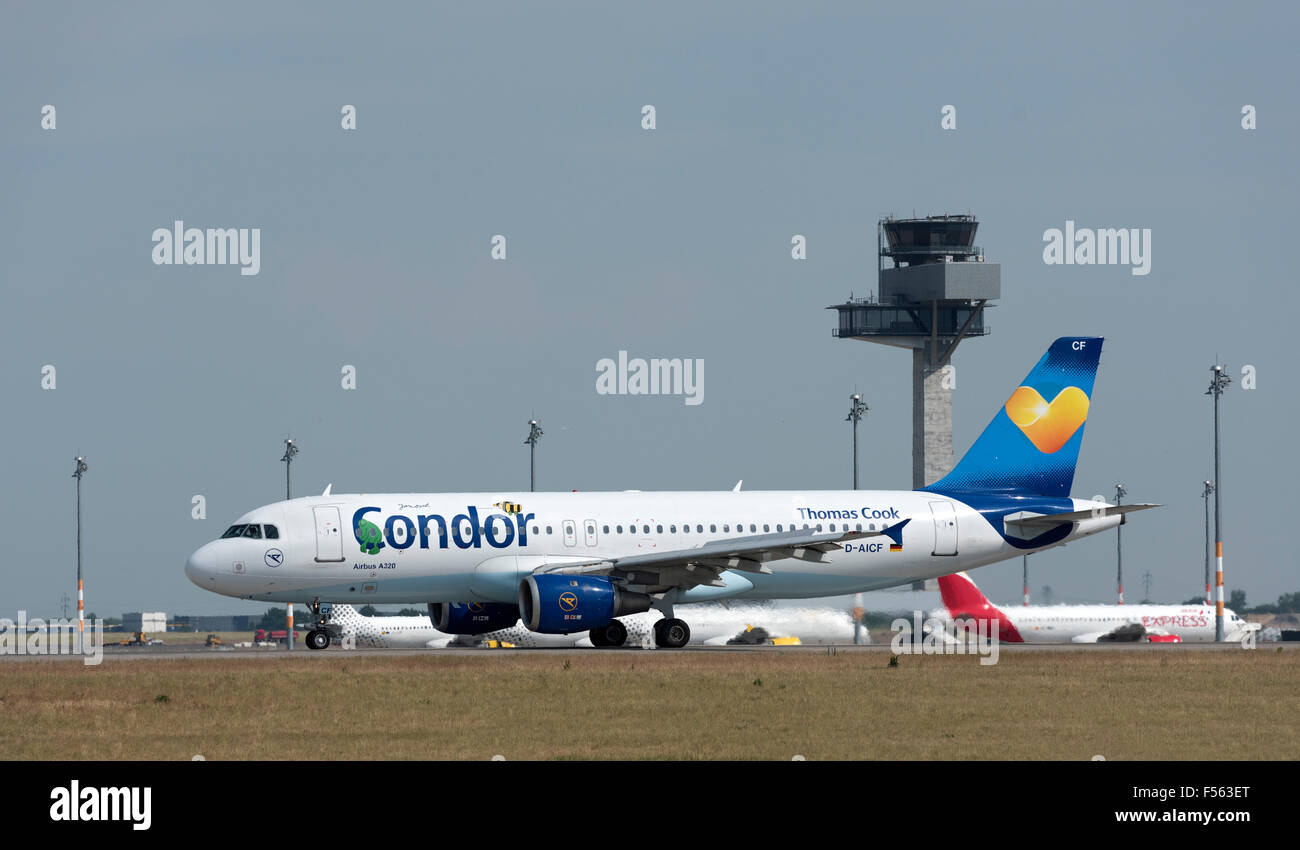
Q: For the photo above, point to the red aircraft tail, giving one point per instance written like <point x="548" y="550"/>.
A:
<point x="965" y="601"/>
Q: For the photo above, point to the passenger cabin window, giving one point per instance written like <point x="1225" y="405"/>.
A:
<point x="606" y="527"/>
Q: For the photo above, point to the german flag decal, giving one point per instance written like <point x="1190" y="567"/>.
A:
<point x="896" y="547"/>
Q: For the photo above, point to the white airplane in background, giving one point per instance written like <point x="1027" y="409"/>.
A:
<point x="1089" y="623"/>
<point x="713" y="625"/>
<point x="577" y="562"/>
<point x="350" y="627"/>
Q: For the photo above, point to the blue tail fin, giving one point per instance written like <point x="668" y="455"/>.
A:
<point x="1032" y="444"/>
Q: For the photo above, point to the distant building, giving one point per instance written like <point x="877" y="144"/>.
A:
<point x="148" y="621"/>
<point x="225" y="623"/>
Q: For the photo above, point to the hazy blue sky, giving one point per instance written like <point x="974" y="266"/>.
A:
<point x="525" y="121"/>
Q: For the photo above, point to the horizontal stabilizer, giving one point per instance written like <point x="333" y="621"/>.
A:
<point x="1040" y="522"/>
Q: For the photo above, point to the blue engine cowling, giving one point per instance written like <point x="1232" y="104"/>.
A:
<point x="472" y="618"/>
<point x="561" y="605"/>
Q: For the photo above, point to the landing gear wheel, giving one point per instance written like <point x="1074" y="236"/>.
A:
<point x="615" y="634"/>
<point x="321" y="633"/>
<point x="612" y="633"/>
<point x="672" y="633"/>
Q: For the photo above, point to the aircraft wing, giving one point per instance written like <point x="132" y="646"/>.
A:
<point x="703" y="564"/>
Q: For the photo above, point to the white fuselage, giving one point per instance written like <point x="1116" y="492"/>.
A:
<point x="462" y="547"/>
<point x="1086" y="623"/>
<point x="710" y="624"/>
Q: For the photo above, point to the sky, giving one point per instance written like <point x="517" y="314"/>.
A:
<point x="478" y="120"/>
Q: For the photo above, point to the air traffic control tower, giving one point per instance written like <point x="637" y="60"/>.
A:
<point x="931" y="299"/>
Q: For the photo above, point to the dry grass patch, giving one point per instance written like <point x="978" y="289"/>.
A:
<point x="656" y="705"/>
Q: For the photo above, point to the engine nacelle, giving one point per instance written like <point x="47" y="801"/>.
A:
<point x="561" y="605"/>
<point x="472" y="618"/>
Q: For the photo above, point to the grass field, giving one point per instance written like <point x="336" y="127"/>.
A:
<point x="1162" y="704"/>
<point x="189" y="638"/>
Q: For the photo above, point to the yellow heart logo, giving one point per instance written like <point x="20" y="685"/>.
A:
<point x="1048" y="426"/>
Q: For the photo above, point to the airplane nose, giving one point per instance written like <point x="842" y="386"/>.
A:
<point x="198" y="567"/>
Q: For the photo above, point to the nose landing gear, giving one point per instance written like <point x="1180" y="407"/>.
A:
<point x="322" y="632"/>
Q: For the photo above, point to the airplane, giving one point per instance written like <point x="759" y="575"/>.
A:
<point x="714" y="626"/>
<point x="577" y="562"/>
<point x="1088" y="623"/>
<point x="352" y="628"/>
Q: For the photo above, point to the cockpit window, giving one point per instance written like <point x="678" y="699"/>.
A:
<point x="234" y="531"/>
<point x="253" y="530"/>
<point x="271" y="532"/>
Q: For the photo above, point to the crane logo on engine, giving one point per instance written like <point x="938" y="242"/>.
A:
<point x="568" y="601"/>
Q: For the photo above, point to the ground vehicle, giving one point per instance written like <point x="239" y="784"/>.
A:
<point x="214" y="640"/>
<point x="274" y="636"/>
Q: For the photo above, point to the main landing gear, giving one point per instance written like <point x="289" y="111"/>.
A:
<point x="319" y="636"/>
<point x="612" y="634"/>
<point x="671" y="633"/>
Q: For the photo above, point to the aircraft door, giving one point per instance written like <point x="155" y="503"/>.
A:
<point x="589" y="526"/>
<point x="329" y="534"/>
<point x="570" y="533"/>
<point x="945" y="528"/>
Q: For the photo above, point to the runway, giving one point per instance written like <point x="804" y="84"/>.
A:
<point x="116" y="654"/>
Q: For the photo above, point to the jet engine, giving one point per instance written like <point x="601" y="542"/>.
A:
<point x="561" y="605"/>
<point x="472" y="618"/>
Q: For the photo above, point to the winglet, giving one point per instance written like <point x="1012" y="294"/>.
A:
<point x="895" y="531"/>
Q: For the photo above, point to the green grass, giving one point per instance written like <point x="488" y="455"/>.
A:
<point x="657" y="705"/>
